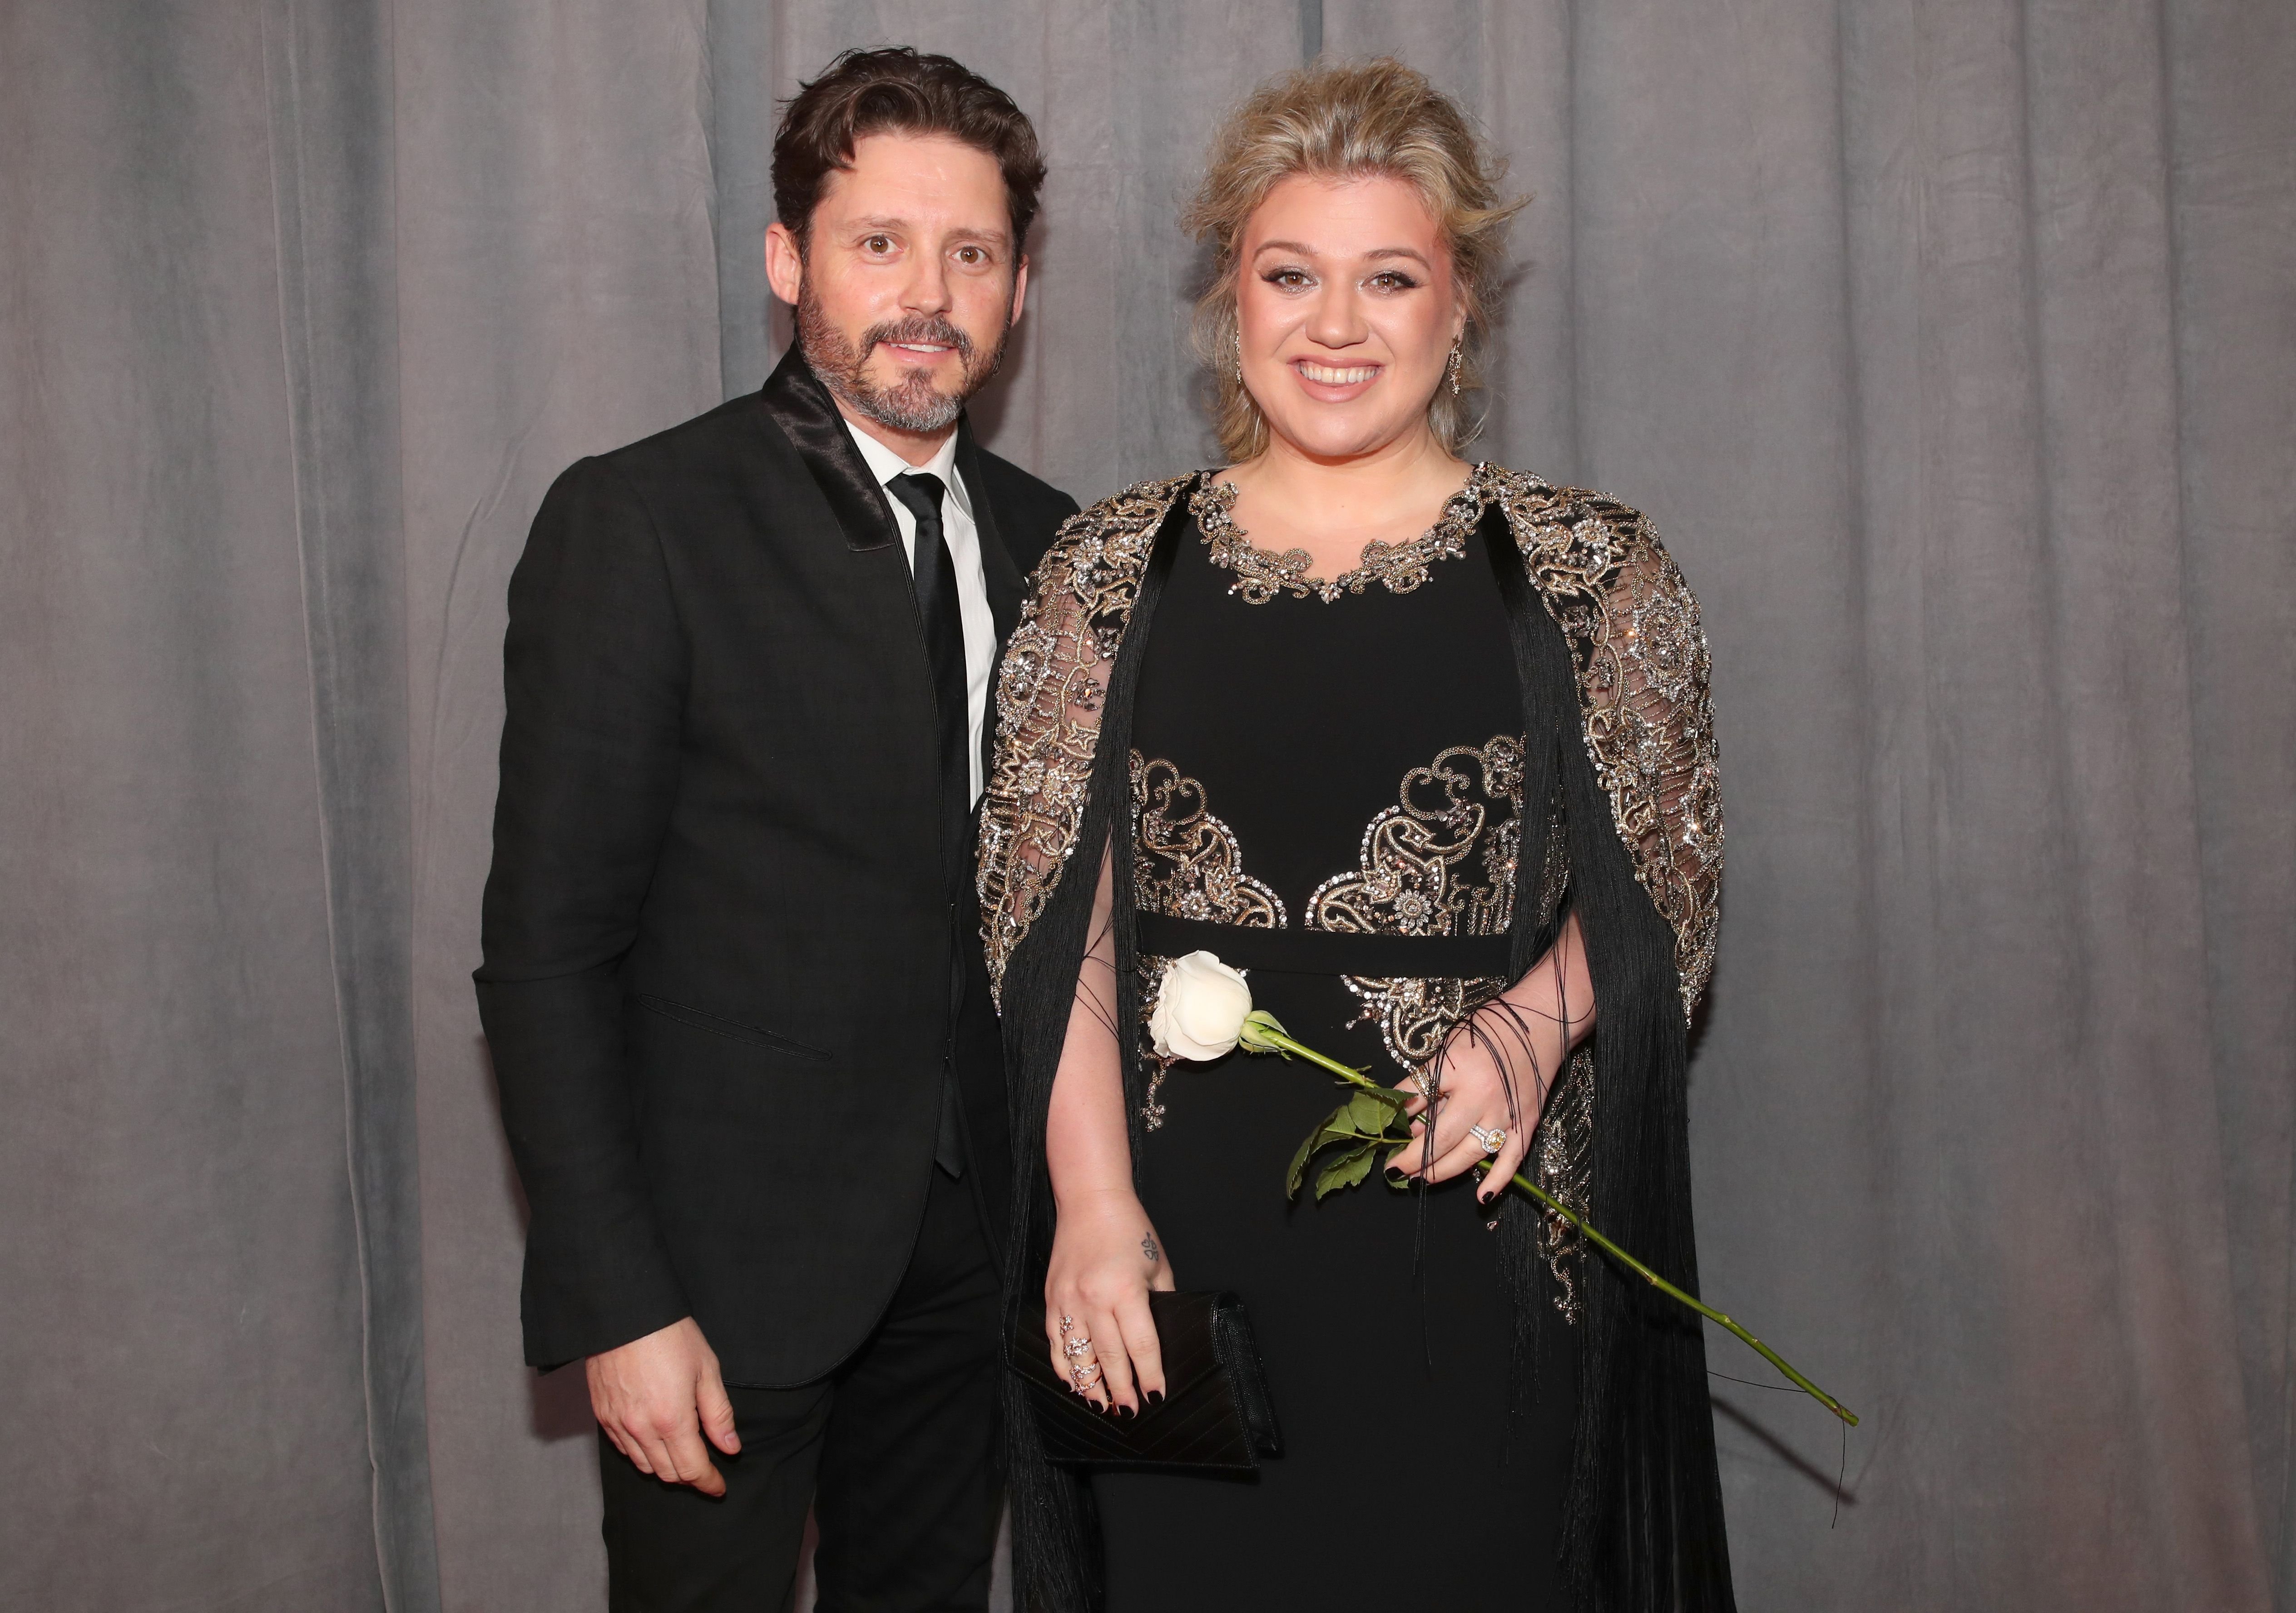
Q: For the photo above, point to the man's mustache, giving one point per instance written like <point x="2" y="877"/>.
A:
<point x="919" y="328"/>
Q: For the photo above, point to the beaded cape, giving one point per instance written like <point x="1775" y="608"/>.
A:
<point x="1629" y="619"/>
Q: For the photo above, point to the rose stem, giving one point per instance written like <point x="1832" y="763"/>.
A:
<point x="1284" y="1044"/>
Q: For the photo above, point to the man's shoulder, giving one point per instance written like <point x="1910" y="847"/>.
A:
<point x="1028" y="509"/>
<point x="693" y="471"/>
<point x="732" y="432"/>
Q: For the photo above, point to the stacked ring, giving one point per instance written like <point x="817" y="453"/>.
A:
<point x="1081" y="1372"/>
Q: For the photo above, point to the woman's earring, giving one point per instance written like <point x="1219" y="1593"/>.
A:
<point x="1454" y="369"/>
<point x="1239" y="356"/>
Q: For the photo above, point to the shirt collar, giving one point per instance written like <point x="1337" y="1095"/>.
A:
<point x="884" y="464"/>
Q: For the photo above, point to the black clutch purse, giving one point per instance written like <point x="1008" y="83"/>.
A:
<point x="1215" y="1415"/>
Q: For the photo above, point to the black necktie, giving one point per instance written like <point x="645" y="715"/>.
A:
<point x="932" y="572"/>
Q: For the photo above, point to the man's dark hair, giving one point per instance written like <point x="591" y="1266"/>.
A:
<point x="900" y="91"/>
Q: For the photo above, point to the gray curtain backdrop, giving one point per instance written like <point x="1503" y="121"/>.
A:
<point x="1952" y="343"/>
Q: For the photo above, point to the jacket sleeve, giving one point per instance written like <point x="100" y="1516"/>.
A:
<point x="1049" y="688"/>
<point x="594" y="676"/>
<point x="1645" y="688"/>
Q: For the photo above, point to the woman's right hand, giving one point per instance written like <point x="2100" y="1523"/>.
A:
<point x="1106" y="1259"/>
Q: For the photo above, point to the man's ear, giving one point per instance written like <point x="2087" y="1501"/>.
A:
<point x="1020" y="291"/>
<point x="785" y="262"/>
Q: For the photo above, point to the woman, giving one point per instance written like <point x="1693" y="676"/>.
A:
<point x="1424" y="747"/>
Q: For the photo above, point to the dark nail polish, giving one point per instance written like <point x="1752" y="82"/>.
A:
<point x="1155" y="1398"/>
<point x="1395" y="1173"/>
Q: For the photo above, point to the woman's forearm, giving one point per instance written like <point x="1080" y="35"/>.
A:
<point x="1087" y="1148"/>
<point x="1551" y="1009"/>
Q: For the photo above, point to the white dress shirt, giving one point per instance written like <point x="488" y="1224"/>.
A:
<point x="964" y="540"/>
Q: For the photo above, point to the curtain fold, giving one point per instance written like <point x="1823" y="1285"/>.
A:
<point x="327" y="78"/>
<point x="1950" y="344"/>
<point x="207" y="1169"/>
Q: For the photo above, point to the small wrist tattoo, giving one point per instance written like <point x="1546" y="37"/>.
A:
<point x="1148" y="1247"/>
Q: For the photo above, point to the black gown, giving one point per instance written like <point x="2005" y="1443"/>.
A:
<point x="1339" y="757"/>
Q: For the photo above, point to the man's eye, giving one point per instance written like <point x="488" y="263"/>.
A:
<point x="879" y="244"/>
<point x="972" y="256"/>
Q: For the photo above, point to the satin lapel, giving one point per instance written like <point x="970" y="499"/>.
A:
<point x="1003" y="577"/>
<point x="807" y="416"/>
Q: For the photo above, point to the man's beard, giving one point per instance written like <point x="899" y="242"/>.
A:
<point x="916" y="404"/>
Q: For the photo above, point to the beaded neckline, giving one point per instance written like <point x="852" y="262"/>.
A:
<point x="1262" y="574"/>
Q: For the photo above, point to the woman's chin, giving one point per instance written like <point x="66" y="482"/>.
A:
<point x="1331" y="436"/>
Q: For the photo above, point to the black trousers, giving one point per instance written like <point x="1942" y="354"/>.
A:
<point x="896" y="1450"/>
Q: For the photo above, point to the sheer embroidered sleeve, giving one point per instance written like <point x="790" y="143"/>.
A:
<point x="1049" y="692"/>
<point x="1646" y="709"/>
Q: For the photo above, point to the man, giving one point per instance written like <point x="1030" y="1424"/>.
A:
<point x="732" y="976"/>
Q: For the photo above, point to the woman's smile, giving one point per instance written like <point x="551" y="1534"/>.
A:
<point x="1335" y="383"/>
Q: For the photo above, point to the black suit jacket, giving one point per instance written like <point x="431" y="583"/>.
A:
<point x="727" y="959"/>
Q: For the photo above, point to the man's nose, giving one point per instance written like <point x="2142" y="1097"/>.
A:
<point x="927" y="291"/>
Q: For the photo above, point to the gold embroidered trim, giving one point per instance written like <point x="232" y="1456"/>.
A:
<point x="1564" y="1160"/>
<point x="1416" y="1015"/>
<point x="1411" y="873"/>
<point x="1262" y="574"/>
<point x="1631" y="625"/>
<point x="1186" y="863"/>
<point x="1554" y="872"/>
<point x="1151" y="987"/>
<point x="1441" y="862"/>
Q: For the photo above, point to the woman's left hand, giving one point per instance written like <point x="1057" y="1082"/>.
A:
<point x="1497" y="1068"/>
<point x="1475" y="1086"/>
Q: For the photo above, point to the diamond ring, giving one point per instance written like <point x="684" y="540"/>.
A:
<point x="1080" y="1345"/>
<point x="1492" y="1138"/>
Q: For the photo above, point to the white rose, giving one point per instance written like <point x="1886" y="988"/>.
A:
<point x="1200" y="1008"/>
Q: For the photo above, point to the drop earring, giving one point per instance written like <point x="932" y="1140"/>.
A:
<point x="1238" y="361"/>
<point x="1454" y="367"/>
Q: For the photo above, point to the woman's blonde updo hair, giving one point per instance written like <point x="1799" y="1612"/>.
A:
<point x="1343" y="121"/>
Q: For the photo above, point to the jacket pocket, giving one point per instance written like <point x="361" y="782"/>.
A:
<point x="731" y="1029"/>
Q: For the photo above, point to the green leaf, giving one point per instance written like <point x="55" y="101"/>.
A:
<point x="1370" y="1114"/>
<point x="1300" y="1163"/>
<point x="1346" y="1171"/>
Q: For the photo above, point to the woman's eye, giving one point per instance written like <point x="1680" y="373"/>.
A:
<point x="1287" y="280"/>
<point x="1393" y="280"/>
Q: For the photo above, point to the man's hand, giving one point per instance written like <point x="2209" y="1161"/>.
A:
<point x="656" y="1396"/>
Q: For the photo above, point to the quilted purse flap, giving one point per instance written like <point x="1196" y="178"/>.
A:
<point x="1198" y="1423"/>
